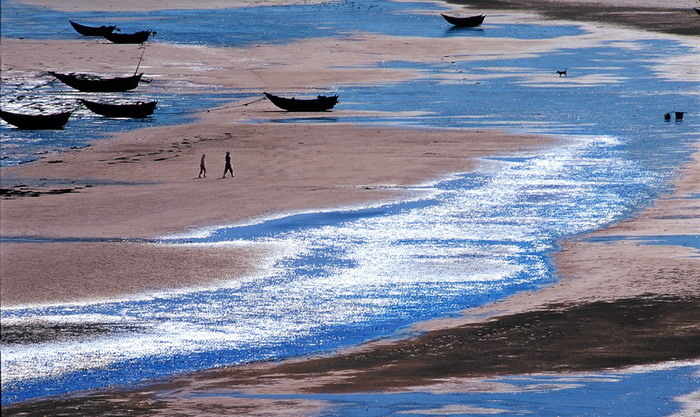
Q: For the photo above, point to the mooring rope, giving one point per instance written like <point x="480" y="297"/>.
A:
<point x="239" y="105"/>
<point x="140" y="59"/>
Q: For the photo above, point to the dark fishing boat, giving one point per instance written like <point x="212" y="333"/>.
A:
<point x="465" y="22"/>
<point x="138" y="109"/>
<point x="697" y="10"/>
<point x="320" y="103"/>
<point x="36" y="121"/>
<point x="92" y="30"/>
<point x="136" y="37"/>
<point x="94" y="84"/>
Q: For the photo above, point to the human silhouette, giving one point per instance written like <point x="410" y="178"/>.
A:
<point x="202" y="168"/>
<point x="228" y="167"/>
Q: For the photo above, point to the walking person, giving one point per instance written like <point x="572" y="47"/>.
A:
<point x="202" y="168"/>
<point x="228" y="167"/>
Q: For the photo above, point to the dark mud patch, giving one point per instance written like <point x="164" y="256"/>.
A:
<point x="562" y="338"/>
<point x="665" y="20"/>
<point x="588" y="337"/>
<point x="98" y="404"/>
<point x="14" y="186"/>
<point x="22" y="191"/>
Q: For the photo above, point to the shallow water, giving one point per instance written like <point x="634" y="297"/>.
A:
<point x="41" y="93"/>
<point x="178" y="103"/>
<point x="636" y="394"/>
<point x="348" y="276"/>
<point x="354" y="274"/>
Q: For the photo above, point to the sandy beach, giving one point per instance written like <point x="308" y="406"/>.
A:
<point x="620" y="301"/>
<point x="297" y="178"/>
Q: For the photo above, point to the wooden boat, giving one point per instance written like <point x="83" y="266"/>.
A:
<point x="138" y="109"/>
<point x="320" y="103"/>
<point x="36" y="121"/>
<point x="93" y="83"/>
<point x="92" y="30"/>
<point x="136" y="37"/>
<point x="465" y="22"/>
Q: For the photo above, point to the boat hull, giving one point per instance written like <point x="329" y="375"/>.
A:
<point x="136" y="110"/>
<point x="98" y="85"/>
<point x="465" y="22"/>
<point x="321" y="103"/>
<point x="35" y="122"/>
<point x="92" y="30"/>
<point x="138" y="37"/>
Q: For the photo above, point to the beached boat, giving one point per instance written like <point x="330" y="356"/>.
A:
<point x="136" y="37"/>
<point x="93" y="83"/>
<point x="320" y="103"/>
<point x="92" y="30"/>
<point x="36" y="121"/>
<point x="465" y="22"/>
<point x="697" y="10"/>
<point x="138" y="109"/>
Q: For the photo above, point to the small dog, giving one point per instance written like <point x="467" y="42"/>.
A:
<point x="562" y="73"/>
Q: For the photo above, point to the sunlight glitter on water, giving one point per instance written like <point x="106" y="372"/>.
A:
<point x="476" y="238"/>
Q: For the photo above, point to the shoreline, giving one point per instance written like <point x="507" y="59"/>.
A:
<point x="281" y="167"/>
<point x="384" y="169"/>
<point x="334" y="374"/>
<point x="585" y="322"/>
<point x="543" y="329"/>
<point x="675" y="17"/>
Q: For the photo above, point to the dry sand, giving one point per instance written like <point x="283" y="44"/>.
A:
<point x="617" y="286"/>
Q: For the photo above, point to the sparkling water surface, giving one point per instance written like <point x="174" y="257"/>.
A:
<point x="349" y="275"/>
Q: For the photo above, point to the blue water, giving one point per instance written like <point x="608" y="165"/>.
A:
<point x="40" y="92"/>
<point x="22" y="146"/>
<point x="577" y="395"/>
<point x="256" y="25"/>
<point x="354" y="274"/>
<point x="232" y="28"/>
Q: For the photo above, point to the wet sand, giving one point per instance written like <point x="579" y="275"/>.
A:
<point x="629" y="303"/>
<point x="279" y="168"/>
<point x="675" y="16"/>
<point x="49" y="273"/>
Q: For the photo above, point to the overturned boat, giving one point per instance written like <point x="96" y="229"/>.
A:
<point x="465" y="22"/>
<point x="92" y="30"/>
<point x="139" y="109"/>
<point x="320" y="103"/>
<point x="36" y="121"/>
<point x="96" y="84"/>
<point x="136" y="37"/>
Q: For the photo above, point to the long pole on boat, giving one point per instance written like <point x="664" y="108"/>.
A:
<point x="140" y="59"/>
